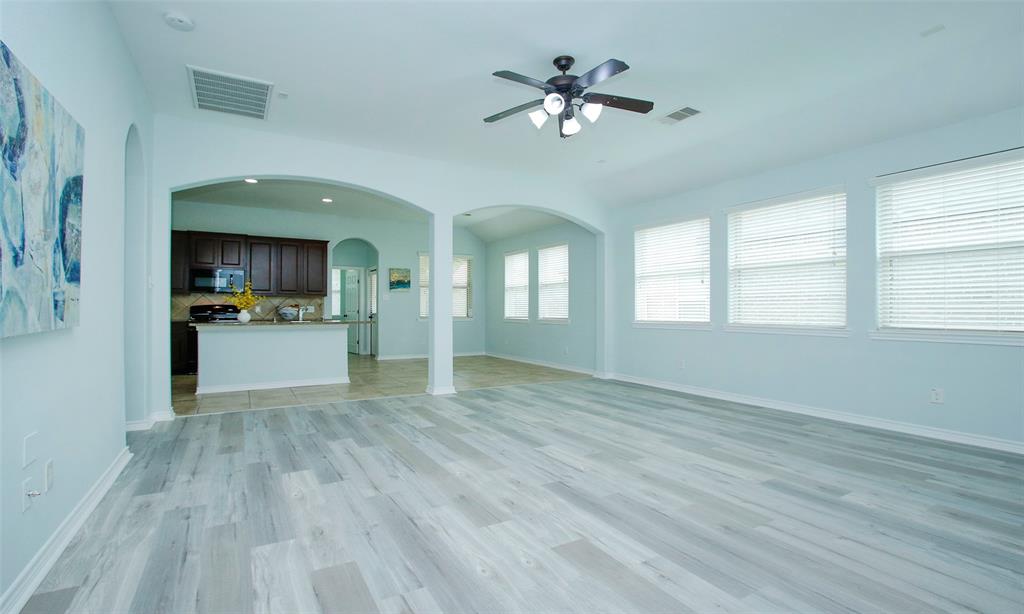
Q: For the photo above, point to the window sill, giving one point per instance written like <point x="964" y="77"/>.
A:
<point x="562" y="321"/>
<point x="673" y="325"/>
<point x="788" y="330"/>
<point x="516" y="320"/>
<point x="941" y="336"/>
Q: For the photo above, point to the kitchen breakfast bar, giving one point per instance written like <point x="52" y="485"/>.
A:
<point x="263" y="355"/>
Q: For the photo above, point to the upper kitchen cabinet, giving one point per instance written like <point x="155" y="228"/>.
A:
<point x="262" y="261"/>
<point x="290" y="270"/>
<point x="315" y="264"/>
<point x="217" y="251"/>
<point x="179" y="262"/>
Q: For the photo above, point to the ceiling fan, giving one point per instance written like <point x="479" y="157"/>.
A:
<point x="562" y="91"/>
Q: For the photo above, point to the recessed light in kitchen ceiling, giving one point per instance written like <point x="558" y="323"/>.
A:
<point x="327" y="200"/>
<point x="251" y="180"/>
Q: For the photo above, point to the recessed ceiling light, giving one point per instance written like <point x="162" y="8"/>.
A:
<point x="327" y="200"/>
<point x="251" y="180"/>
<point x="179" y="21"/>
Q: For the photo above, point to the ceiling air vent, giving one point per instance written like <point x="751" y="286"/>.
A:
<point x="217" y="91"/>
<point x="680" y="115"/>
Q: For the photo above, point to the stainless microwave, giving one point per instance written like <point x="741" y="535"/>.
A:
<point x="216" y="280"/>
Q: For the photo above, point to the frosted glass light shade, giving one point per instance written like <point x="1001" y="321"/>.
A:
<point x="538" y="117"/>
<point x="592" y="110"/>
<point x="571" y="126"/>
<point x="554" y="103"/>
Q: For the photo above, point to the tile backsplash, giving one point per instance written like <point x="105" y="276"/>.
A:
<point x="264" y="310"/>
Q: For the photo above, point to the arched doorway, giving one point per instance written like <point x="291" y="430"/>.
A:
<point x="135" y="269"/>
<point x="355" y="292"/>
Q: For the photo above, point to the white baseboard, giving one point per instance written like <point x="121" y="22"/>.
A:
<point x="293" y="383"/>
<point x="414" y="356"/>
<point x="441" y="390"/>
<point x="982" y="441"/>
<point x="543" y="363"/>
<point x="148" y="422"/>
<point x="19" y="592"/>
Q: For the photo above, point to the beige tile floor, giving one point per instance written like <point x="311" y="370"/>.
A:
<point x="369" y="379"/>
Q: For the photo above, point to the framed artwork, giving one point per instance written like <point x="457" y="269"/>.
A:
<point x="43" y="157"/>
<point x="399" y="280"/>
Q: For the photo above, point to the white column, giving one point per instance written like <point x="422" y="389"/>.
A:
<point x="605" y="321"/>
<point x="441" y="371"/>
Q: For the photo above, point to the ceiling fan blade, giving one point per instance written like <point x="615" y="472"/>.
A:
<point x="620" y="102"/>
<point x="600" y="73"/>
<point x="514" y="110"/>
<point x="518" y="78"/>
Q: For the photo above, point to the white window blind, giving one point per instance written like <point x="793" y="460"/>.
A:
<point x="462" y="287"/>
<point x="373" y="292"/>
<point x="517" y="286"/>
<point x="424" y="285"/>
<point x="553" y="283"/>
<point x="672" y="272"/>
<point x="335" y="292"/>
<point x="951" y="248"/>
<point x="787" y="263"/>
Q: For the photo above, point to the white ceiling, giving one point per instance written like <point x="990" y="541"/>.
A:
<point x="776" y="82"/>
<point x="489" y="224"/>
<point x="495" y="223"/>
<point x="295" y="195"/>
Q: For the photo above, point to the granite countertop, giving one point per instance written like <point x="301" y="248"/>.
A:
<point x="295" y="324"/>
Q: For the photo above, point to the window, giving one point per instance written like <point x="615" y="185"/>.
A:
<point x="336" y="278"/>
<point x="462" y="286"/>
<point x="424" y="285"/>
<point x="553" y="283"/>
<point x="672" y="268"/>
<point x="517" y="286"/>
<point x="373" y="292"/>
<point x="787" y="263"/>
<point x="951" y="247"/>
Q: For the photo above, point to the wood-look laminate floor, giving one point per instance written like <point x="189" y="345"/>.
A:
<point x="370" y="378"/>
<point x="580" y="496"/>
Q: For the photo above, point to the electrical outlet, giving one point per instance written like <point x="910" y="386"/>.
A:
<point x="48" y="476"/>
<point x="937" y="396"/>
<point x="682" y="364"/>
<point x="28" y="454"/>
<point x="565" y="350"/>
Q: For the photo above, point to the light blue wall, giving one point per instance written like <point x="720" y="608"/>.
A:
<point x="68" y="385"/>
<point x="354" y="252"/>
<point x="571" y="344"/>
<point x="402" y="332"/>
<point x="984" y="384"/>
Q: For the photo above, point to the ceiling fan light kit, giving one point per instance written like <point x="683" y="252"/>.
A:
<point x="563" y="91"/>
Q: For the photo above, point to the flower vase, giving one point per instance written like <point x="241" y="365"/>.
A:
<point x="244" y="316"/>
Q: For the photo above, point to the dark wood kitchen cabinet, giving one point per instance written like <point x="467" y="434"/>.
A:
<point x="262" y="260"/>
<point x="184" y="349"/>
<point x="290" y="271"/>
<point x="179" y="262"/>
<point x="217" y="251"/>
<point x="274" y="265"/>
<point x="315" y="265"/>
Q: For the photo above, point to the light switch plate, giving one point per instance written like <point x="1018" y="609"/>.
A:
<point x="48" y="475"/>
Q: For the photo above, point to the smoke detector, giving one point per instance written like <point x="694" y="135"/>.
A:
<point x="179" y="21"/>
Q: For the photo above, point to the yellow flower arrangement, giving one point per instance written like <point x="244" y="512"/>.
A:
<point x="245" y="299"/>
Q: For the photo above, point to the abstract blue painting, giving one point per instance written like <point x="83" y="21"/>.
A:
<point x="42" y="160"/>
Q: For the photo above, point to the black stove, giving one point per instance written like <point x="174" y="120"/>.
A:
<point x="212" y="313"/>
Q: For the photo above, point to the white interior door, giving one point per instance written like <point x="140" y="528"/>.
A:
<point x="351" y="310"/>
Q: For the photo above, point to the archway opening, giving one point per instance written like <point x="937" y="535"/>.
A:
<point x="291" y="241"/>
<point x="355" y="294"/>
<point x="136" y="355"/>
<point x="538" y="275"/>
